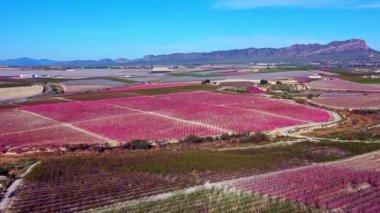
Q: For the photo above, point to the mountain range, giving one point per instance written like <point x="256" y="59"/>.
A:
<point x="349" y="51"/>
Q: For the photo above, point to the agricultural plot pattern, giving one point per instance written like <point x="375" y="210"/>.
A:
<point x="213" y="200"/>
<point x="371" y="101"/>
<point x="342" y="85"/>
<point x="152" y="86"/>
<point x="326" y="187"/>
<point x="75" y="86"/>
<point x="369" y="162"/>
<point x="140" y="182"/>
<point x="155" y="118"/>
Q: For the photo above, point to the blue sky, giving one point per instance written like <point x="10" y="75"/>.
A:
<point x="95" y="29"/>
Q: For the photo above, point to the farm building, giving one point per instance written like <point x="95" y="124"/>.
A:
<point x="316" y="77"/>
<point x="162" y="70"/>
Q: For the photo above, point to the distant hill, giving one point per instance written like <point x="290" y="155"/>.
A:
<point x="341" y="51"/>
<point x="27" y="62"/>
<point x="350" y="51"/>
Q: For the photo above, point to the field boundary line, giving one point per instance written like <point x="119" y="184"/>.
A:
<point x="111" y="116"/>
<point x="65" y="99"/>
<point x="175" y="119"/>
<point x="69" y="125"/>
<point x="31" y="130"/>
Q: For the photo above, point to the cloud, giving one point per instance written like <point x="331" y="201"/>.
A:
<point x="253" y="4"/>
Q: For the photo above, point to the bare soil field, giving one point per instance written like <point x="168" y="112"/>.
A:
<point x="371" y="101"/>
<point x="76" y="86"/>
<point x="19" y="92"/>
<point x="335" y="84"/>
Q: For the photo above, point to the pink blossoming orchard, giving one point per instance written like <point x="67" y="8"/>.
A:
<point x="325" y="187"/>
<point x="158" y="118"/>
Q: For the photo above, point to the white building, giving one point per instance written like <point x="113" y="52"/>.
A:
<point x="316" y="77"/>
<point x="158" y="69"/>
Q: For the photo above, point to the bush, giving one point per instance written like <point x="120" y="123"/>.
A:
<point x="75" y="147"/>
<point x="300" y="101"/>
<point x="5" y="169"/>
<point x="255" y="138"/>
<point x="263" y="82"/>
<point x="104" y="147"/>
<point x="138" y="144"/>
<point x="261" y="137"/>
<point x="240" y="135"/>
<point x="224" y="137"/>
<point x="207" y="81"/>
<point x="194" y="139"/>
<point x="209" y="139"/>
<point x="235" y="89"/>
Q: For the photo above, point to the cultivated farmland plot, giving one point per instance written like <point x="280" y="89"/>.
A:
<point x="49" y="137"/>
<point x="12" y="121"/>
<point x="88" y="182"/>
<point x="154" y="118"/>
<point x="369" y="162"/>
<point x="342" y="85"/>
<point x="371" y="101"/>
<point x="151" y="86"/>
<point x="325" y="187"/>
<point x="89" y="85"/>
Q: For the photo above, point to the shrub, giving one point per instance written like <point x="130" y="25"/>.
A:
<point x="261" y="137"/>
<point x="255" y="138"/>
<point x="240" y="135"/>
<point x="74" y="147"/>
<point x="263" y="82"/>
<point x="235" y="89"/>
<point x="138" y="144"/>
<point x="193" y="139"/>
<point x="300" y="101"/>
<point x="5" y="169"/>
<point x="207" y="81"/>
<point x="104" y="147"/>
<point x="209" y="139"/>
<point x="224" y="137"/>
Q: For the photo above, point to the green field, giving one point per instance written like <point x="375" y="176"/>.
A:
<point x="364" y="80"/>
<point x="288" y="69"/>
<point x="160" y="91"/>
